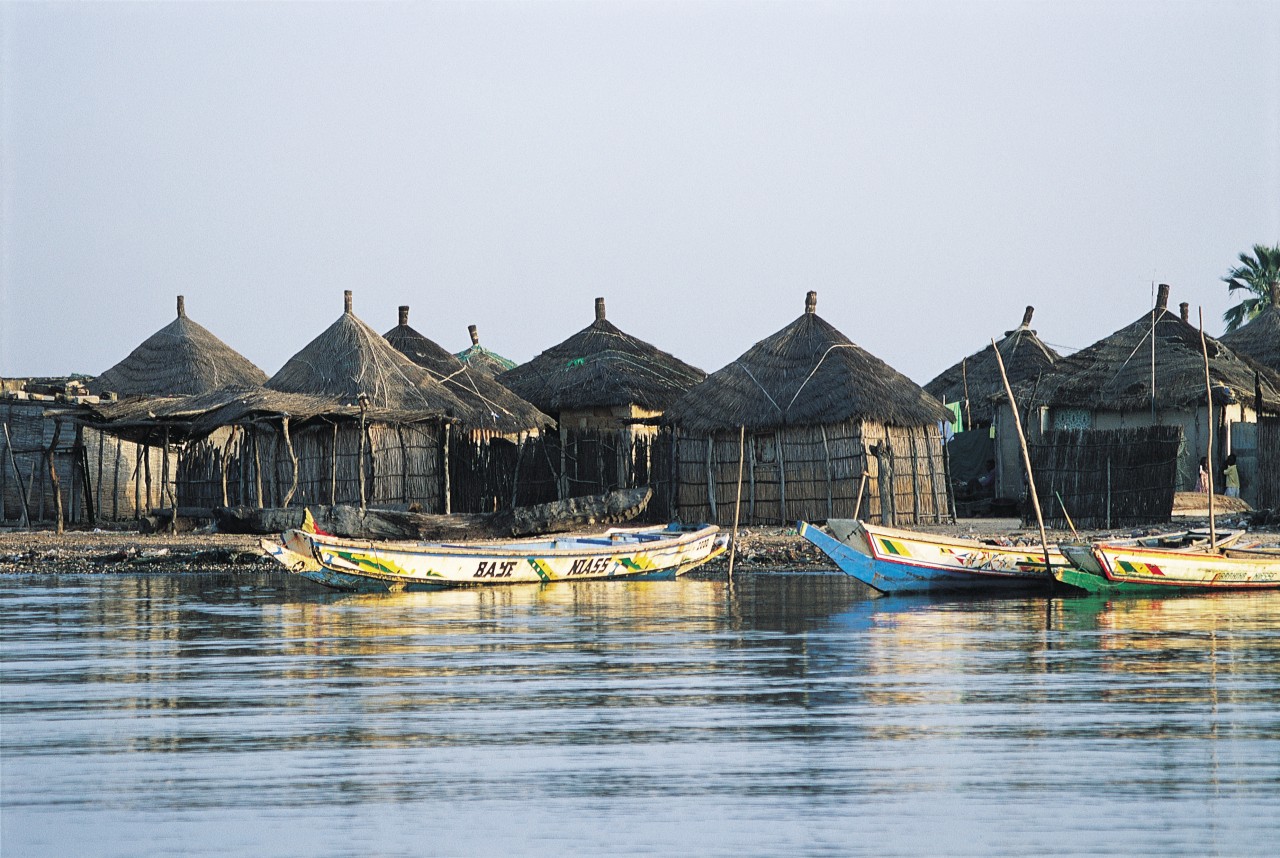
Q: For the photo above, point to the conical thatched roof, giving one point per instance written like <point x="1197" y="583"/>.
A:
<point x="480" y="359"/>
<point x="1260" y="338"/>
<point x="600" y="366"/>
<point x="808" y="373"/>
<point x="182" y="358"/>
<point x="350" y="360"/>
<point x="1115" y="373"/>
<point x="507" y="412"/>
<point x="977" y="377"/>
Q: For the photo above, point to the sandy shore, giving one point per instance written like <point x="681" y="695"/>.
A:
<point x="758" y="548"/>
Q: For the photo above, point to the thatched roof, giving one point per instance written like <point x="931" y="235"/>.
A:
<point x="977" y="377"/>
<point x="1260" y="338"/>
<point x="600" y="366"/>
<point x="808" y="373"/>
<point x="182" y="358"/>
<point x="1115" y="373"/>
<point x="349" y="361"/>
<point x="480" y="359"/>
<point x="506" y="411"/>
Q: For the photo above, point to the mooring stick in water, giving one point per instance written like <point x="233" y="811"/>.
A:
<point x="1208" y="404"/>
<point x="1026" y="456"/>
<point x="737" y="506"/>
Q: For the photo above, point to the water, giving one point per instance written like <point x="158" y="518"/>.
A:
<point x="255" y="714"/>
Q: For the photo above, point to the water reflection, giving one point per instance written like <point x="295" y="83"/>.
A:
<point x="787" y="713"/>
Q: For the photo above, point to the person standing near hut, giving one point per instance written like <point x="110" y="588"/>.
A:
<point x="1231" y="477"/>
<point x="1202" y="480"/>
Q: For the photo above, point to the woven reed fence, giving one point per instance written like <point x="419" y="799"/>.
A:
<point x="813" y="473"/>
<point x="1269" y="462"/>
<point x="1107" y="477"/>
<point x="101" y="477"/>
<point x="401" y="465"/>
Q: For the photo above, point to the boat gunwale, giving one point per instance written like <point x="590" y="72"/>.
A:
<point x="513" y="549"/>
<point x="935" y="539"/>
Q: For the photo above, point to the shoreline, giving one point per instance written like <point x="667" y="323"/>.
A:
<point x="98" y="551"/>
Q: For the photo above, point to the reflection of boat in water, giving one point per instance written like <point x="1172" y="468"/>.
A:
<point x="904" y="561"/>
<point x="631" y="553"/>
<point x="1169" y="564"/>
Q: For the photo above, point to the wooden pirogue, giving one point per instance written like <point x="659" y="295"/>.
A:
<point x="904" y="561"/>
<point x="1164" y="565"/>
<point x="364" y="565"/>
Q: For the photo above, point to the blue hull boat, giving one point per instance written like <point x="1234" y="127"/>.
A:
<point x="900" y="561"/>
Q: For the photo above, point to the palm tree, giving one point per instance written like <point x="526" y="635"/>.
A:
<point x="1257" y="275"/>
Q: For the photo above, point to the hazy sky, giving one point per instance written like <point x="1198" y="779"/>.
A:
<point x="928" y="168"/>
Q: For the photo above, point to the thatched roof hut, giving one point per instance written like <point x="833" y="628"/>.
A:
<point x="804" y="414"/>
<point x="1260" y="338"/>
<point x="182" y="358"/>
<point x="806" y="373"/>
<point x="1154" y="363"/>
<point x="349" y="361"/>
<point x="602" y="367"/>
<point x="481" y="360"/>
<point x="976" y="379"/>
<point x="507" y="413"/>
<point x="1150" y="374"/>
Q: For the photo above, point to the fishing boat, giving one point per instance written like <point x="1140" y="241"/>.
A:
<point x="363" y="565"/>
<point x="903" y="561"/>
<point x="1169" y="563"/>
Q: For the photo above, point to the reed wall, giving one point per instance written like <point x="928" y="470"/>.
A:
<point x="1268" y="473"/>
<point x="812" y="473"/>
<point x="1106" y="477"/>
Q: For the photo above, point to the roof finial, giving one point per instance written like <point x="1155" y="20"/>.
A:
<point x="1185" y="307"/>
<point x="1026" y="316"/>
<point x="182" y="307"/>
<point x="811" y="302"/>
<point x="1162" y="296"/>
<point x="475" y="335"/>
<point x="404" y="315"/>
<point x="599" y="309"/>
<point x="346" y="301"/>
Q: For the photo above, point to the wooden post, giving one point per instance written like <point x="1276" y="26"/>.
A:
<point x="448" y="484"/>
<point x="1208" y="404"/>
<point x="737" y="506"/>
<point x="17" y="475"/>
<point x="333" y="469"/>
<point x="54" y="481"/>
<point x="90" y="509"/>
<point x="1026" y="457"/>
<point x="293" y="458"/>
<point x="711" y="484"/>
<point x="226" y="458"/>
<point x="137" y="480"/>
<point x="146" y="471"/>
<point x="826" y="450"/>
<point x="165" y="490"/>
<point x="964" y="374"/>
<point x="782" y="475"/>
<point x="862" y="484"/>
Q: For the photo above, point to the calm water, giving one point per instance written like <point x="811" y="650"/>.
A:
<point x="256" y="715"/>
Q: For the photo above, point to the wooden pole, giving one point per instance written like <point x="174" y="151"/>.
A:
<point x="54" y="482"/>
<point x="1026" y="456"/>
<point x="293" y="458"/>
<point x="17" y="475"/>
<point x="964" y="374"/>
<point x="1208" y="404"/>
<point x="862" y="484"/>
<point x="737" y="506"/>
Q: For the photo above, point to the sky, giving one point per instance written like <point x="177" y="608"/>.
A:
<point x="928" y="168"/>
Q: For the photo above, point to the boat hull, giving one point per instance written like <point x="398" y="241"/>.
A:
<point x="894" y="561"/>
<point x="640" y="554"/>
<point x="1103" y="568"/>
